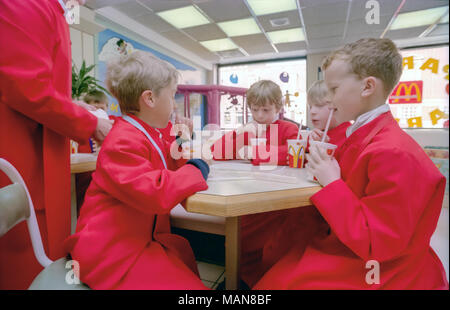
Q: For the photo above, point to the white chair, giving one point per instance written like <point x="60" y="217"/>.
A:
<point x="15" y="207"/>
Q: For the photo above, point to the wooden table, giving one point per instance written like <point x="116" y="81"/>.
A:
<point x="230" y="199"/>
<point x="234" y="198"/>
<point x="78" y="163"/>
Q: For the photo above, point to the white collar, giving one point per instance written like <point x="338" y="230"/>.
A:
<point x="366" y="118"/>
<point x="63" y="5"/>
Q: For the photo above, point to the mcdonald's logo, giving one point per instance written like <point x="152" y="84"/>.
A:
<point x="407" y="92"/>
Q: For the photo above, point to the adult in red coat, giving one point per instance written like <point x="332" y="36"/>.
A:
<point x="36" y="119"/>
<point x="123" y="238"/>
<point x="386" y="218"/>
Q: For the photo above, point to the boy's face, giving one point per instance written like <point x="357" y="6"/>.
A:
<point x="319" y="112"/>
<point x="264" y="114"/>
<point x="99" y="104"/>
<point x="345" y="90"/>
<point x="164" y="103"/>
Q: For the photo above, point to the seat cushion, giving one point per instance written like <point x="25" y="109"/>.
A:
<point x="53" y="277"/>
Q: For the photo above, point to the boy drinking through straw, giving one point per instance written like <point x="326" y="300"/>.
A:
<point x="382" y="195"/>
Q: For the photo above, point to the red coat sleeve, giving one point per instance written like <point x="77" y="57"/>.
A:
<point x="27" y="72"/>
<point x="380" y="224"/>
<point x="128" y="175"/>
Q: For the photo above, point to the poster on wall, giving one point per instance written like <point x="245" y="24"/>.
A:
<point x="112" y="44"/>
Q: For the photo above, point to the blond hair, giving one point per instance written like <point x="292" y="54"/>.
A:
<point x="128" y="76"/>
<point x="263" y="92"/>
<point x="379" y="58"/>
<point x="317" y="92"/>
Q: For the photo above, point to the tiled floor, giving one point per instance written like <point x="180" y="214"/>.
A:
<point x="210" y="274"/>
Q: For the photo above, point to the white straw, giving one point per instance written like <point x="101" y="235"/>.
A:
<point x="299" y="128"/>
<point x="328" y="125"/>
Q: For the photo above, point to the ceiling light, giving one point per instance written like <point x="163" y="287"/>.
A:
<point x="184" y="17"/>
<point x="285" y="36"/>
<point x="263" y="7"/>
<point x="219" y="45"/>
<point x="240" y="27"/>
<point x="418" y="18"/>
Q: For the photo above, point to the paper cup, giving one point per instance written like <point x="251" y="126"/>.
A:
<point x="296" y="152"/>
<point x="73" y="147"/>
<point x="331" y="148"/>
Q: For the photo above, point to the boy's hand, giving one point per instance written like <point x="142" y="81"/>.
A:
<point x="323" y="166"/>
<point x="103" y="128"/>
<point x="317" y="134"/>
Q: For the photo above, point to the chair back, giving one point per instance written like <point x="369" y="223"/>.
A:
<point x="15" y="206"/>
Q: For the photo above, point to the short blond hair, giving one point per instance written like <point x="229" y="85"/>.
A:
<point x="371" y="57"/>
<point x="263" y="92"/>
<point x="128" y="76"/>
<point x="317" y="92"/>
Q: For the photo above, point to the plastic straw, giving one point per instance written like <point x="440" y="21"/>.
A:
<point x="299" y="129"/>
<point x="328" y="125"/>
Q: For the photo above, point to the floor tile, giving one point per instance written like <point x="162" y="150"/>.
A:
<point x="209" y="272"/>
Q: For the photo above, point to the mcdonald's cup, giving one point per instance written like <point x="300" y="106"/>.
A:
<point x="296" y="153"/>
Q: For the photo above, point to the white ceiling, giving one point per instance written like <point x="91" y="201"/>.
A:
<point x="327" y="24"/>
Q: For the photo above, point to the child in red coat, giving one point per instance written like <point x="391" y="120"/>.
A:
<point x="381" y="195"/>
<point x="123" y="238"/>
<point x="264" y="98"/>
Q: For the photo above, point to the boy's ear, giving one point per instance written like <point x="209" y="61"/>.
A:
<point x="148" y="98"/>
<point x="369" y="85"/>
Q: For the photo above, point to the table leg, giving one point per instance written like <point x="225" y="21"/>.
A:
<point x="232" y="252"/>
<point x="73" y="203"/>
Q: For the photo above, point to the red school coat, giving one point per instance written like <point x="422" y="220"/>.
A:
<point x="256" y="229"/>
<point x="37" y="118"/>
<point x="384" y="208"/>
<point x="268" y="236"/>
<point x="123" y="238"/>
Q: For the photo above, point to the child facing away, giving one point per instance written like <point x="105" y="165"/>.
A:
<point x="123" y="238"/>
<point x="381" y="196"/>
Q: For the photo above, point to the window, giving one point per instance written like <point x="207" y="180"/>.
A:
<point x="290" y="75"/>
<point x="420" y="100"/>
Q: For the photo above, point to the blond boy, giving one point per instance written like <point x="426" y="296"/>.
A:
<point x="382" y="195"/>
<point x="123" y="238"/>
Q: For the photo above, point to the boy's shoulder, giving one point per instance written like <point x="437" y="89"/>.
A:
<point x="395" y="144"/>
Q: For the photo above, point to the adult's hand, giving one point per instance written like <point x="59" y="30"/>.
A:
<point x="103" y="128"/>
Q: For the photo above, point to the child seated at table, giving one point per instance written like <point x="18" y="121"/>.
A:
<point x="320" y="105"/>
<point x="123" y="238"/>
<point x="99" y="101"/>
<point x="264" y="99"/>
<point x="381" y="195"/>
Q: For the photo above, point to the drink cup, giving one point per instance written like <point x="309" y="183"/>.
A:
<point x="73" y="147"/>
<point x="296" y="152"/>
<point x="330" y="148"/>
